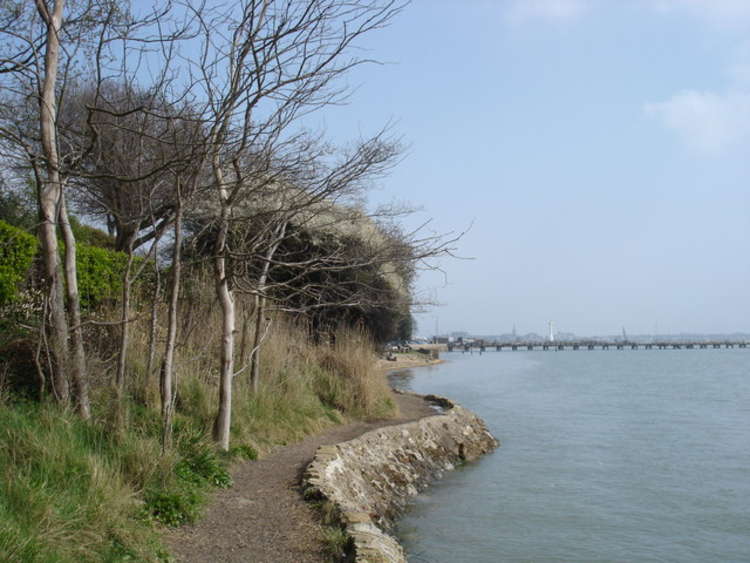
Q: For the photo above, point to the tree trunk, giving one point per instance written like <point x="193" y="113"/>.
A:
<point x="78" y="371"/>
<point x="58" y="329"/>
<point x="226" y="300"/>
<point x="260" y="303"/>
<point x="124" y="340"/>
<point x="255" y="357"/>
<point x="50" y="198"/>
<point x="167" y="386"/>
<point x="153" y="322"/>
<point x="223" y="421"/>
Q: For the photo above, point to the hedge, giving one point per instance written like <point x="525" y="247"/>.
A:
<point x="17" y="250"/>
<point x="99" y="270"/>
<point x="99" y="273"/>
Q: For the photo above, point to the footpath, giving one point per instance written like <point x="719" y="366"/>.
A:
<point x="263" y="517"/>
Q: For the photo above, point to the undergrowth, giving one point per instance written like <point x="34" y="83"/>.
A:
<point x="75" y="491"/>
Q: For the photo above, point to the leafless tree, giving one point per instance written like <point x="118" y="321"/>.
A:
<point x="47" y="48"/>
<point x="40" y="48"/>
<point x="261" y="67"/>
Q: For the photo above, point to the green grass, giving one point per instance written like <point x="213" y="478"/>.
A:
<point x="336" y="542"/>
<point x="64" y="492"/>
<point x="73" y="491"/>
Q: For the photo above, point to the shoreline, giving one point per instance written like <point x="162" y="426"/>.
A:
<point x="367" y="482"/>
<point x="271" y="496"/>
<point x="267" y="500"/>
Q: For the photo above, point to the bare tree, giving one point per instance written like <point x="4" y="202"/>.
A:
<point x="33" y="59"/>
<point x="261" y="67"/>
<point x="51" y="197"/>
<point x="46" y="51"/>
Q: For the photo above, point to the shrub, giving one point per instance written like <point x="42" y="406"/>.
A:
<point x="17" y="250"/>
<point x="201" y="465"/>
<point x="99" y="270"/>
<point x="99" y="273"/>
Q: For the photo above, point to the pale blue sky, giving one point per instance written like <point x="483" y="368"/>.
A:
<point x="600" y="149"/>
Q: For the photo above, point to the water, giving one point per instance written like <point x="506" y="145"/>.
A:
<point x="605" y="456"/>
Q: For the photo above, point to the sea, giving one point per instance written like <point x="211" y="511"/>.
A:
<point x="606" y="455"/>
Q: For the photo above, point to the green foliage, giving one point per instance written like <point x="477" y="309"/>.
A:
<point x="202" y="466"/>
<point x="17" y="250"/>
<point x="406" y="326"/>
<point x="337" y="542"/>
<point x="174" y="507"/>
<point x="63" y="495"/>
<point x="85" y="234"/>
<point x="99" y="270"/>
<point x="99" y="274"/>
<point x="69" y="488"/>
<point x="199" y="469"/>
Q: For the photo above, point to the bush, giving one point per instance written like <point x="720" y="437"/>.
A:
<point x="99" y="273"/>
<point x="99" y="270"/>
<point x="17" y="250"/>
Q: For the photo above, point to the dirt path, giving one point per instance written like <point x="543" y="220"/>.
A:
<point x="263" y="518"/>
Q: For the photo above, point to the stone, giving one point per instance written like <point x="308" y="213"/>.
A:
<point x="371" y="478"/>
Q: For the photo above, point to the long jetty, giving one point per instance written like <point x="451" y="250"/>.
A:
<point x="598" y="345"/>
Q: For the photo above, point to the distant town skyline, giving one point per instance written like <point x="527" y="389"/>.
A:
<point x="568" y="334"/>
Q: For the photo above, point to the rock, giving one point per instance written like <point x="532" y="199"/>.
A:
<point x="370" y="479"/>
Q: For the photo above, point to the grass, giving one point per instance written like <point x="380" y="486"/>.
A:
<point x="64" y="491"/>
<point x="75" y="491"/>
<point x="336" y="542"/>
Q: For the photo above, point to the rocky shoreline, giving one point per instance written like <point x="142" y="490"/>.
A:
<point x="369" y="480"/>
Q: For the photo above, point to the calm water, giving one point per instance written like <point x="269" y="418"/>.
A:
<point x="606" y="456"/>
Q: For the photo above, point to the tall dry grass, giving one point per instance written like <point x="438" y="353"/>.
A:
<point x="76" y="491"/>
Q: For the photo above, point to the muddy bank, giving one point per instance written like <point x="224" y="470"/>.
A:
<point x="370" y="479"/>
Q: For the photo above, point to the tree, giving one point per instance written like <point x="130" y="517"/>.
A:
<point x="279" y="60"/>
<point x="45" y="51"/>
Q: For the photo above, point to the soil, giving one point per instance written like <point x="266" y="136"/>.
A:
<point x="263" y="517"/>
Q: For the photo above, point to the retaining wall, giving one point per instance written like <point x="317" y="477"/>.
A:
<point x="370" y="479"/>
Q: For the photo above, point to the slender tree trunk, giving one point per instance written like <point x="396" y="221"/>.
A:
<point x="78" y="371"/>
<point x="260" y="303"/>
<point x="124" y="339"/>
<point x="50" y="198"/>
<point x="226" y="300"/>
<point x="153" y="323"/>
<point x="223" y="421"/>
<point x="167" y="386"/>
<point x="58" y="323"/>
<point x="255" y="354"/>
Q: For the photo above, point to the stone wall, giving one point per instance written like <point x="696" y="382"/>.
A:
<point x="370" y="479"/>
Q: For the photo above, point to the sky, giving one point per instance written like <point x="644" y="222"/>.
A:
<point x="596" y="151"/>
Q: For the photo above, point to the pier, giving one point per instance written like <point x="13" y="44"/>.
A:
<point x="597" y="345"/>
